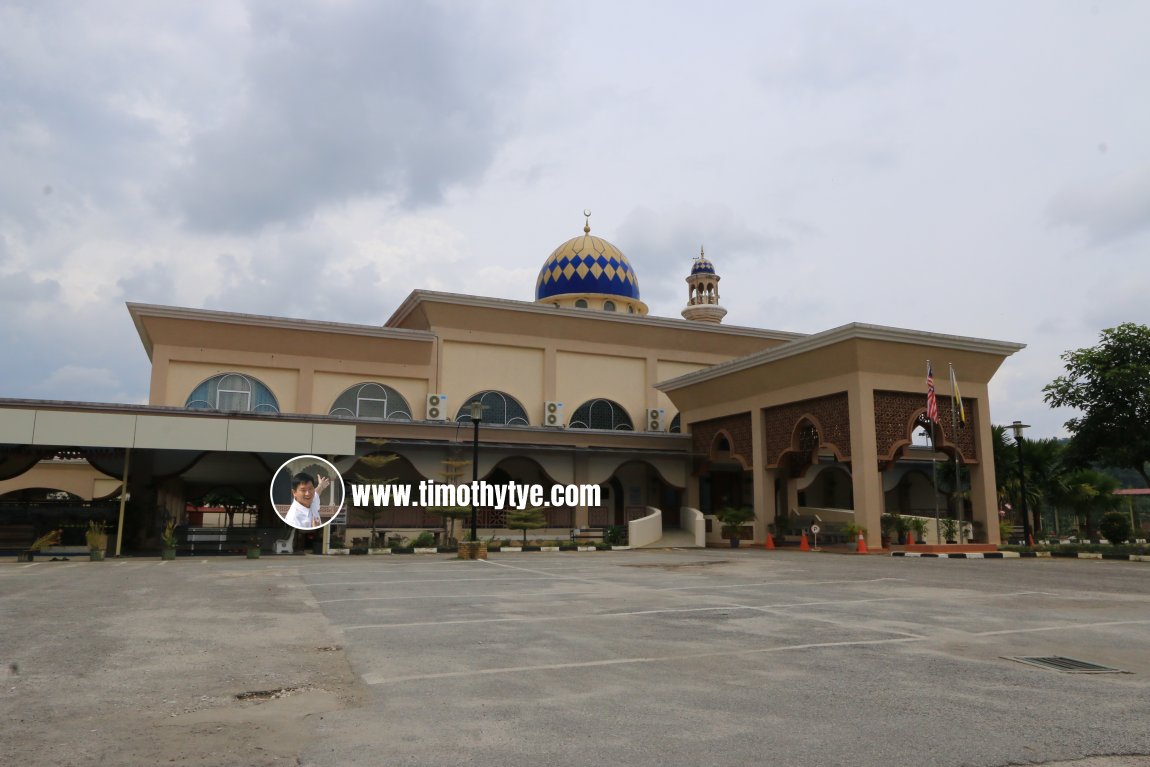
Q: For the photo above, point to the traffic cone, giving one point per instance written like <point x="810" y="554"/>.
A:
<point x="804" y="546"/>
<point x="862" y="544"/>
<point x="1032" y="540"/>
<point x="910" y="540"/>
<point x="770" y="544"/>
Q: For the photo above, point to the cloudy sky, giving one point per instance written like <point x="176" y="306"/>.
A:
<point x="980" y="169"/>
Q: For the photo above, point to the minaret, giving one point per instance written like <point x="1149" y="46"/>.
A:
<point x="703" y="292"/>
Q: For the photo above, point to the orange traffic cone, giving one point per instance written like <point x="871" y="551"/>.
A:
<point x="770" y="544"/>
<point x="862" y="544"/>
<point x="910" y="540"/>
<point x="804" y="546"/>
<point x="1032" y="540"/>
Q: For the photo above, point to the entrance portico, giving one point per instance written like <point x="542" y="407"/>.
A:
<point x="853" y="396"/>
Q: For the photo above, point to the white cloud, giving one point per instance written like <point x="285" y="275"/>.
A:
<point x="902" y="165"/>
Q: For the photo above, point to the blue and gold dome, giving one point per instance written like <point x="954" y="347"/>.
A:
<point x="591" y="271"/>
<point x="702" y="265"/>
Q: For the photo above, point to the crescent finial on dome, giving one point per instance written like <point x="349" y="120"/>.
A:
<point x="587" y="223"/>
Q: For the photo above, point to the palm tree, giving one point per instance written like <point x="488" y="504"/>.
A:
<point x="1089" y="492"/>
<point x="1046" y="471"/>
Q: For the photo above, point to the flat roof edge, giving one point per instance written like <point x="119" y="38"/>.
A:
<point x="850" y="332"/>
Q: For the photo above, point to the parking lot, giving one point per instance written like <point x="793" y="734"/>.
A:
<point x="723" y="657"/>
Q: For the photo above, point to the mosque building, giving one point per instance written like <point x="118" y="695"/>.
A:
<point x="672" y="418"/>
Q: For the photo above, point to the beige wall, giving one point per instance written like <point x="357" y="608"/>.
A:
<point x="582" y="377"/>
<point x="665" y="370"/>
<point x="517" y="370"/>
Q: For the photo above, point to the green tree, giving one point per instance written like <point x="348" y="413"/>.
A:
<point x="526" y="519"/>
<point x="1115" y="527"/>
<point x="1110" y="385"/>
<point x="1089" y="492"/>
<point x="1046" y="471"/>
<point x="1005" y="466"/>
<point x="372" y="466"/>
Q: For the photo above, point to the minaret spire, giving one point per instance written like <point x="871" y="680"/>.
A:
<point x="703" y="292"/>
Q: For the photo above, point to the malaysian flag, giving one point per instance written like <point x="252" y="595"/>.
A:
<point x="931" y="401"/>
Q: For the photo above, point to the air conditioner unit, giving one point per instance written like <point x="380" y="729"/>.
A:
<point x="437" y="407"/>
<point x="553" y="414"/>
<point x="656" y="419"/>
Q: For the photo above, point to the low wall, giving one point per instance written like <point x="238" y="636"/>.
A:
<point x="645" y="530"/>
<point x="693" y="522"/>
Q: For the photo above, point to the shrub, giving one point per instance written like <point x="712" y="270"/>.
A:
<point x="424" y="540"/>
<point x="1115" y="527"/>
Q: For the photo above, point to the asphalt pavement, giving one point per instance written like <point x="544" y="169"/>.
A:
<point x="684" y="657"/>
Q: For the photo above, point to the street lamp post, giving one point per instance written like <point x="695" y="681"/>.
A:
<point x="476" y="417"/>
<point x="1017" y="427"/>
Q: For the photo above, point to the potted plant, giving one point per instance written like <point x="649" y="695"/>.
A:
<point x="853" y="531"/>
<point x="732" y="518"/>
<point x="889" y="523"/>
<point x="949" y="529"/>
<point x="97" y="540"/>
<point x="254" y="547"/>
<point x="51" y="538"/>
<point x="781" y="527"/>
<point x="918" y="526"/>
<point x="168" y="539"/>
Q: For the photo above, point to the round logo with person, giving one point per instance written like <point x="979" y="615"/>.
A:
<point x="307" y="492"/>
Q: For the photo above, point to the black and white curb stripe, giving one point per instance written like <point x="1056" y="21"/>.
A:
<point x="445" y="550"/>
<point x="1024" y="555"/>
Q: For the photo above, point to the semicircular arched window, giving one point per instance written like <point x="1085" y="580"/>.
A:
<point x="601" y="414"/>
<point x="371" y="400"/>
<point x="676" y="425"/>
<point x="233" y="392"/>
<point x="498" y="408"/>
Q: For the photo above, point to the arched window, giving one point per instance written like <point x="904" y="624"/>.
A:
<point x="676" y="426"/>
<point x="498" y="408"/>
<point x="581" y="303"/>
<point x="608" y="306"/>
<point x="372" y="400"/>
<point x="601" y="414"/>
<point x="233" y="392"/>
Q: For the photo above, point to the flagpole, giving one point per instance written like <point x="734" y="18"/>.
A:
<point x="934" y="464"/>
<point x="954" y="436"/>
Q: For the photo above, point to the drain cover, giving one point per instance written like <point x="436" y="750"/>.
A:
<point x="1068" y="665"/>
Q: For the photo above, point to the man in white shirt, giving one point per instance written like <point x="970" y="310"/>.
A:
<point x="304" y="511"/>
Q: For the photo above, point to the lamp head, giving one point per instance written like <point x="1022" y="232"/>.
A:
<point x="1017" y="428"/>
<point x="476" y="411"/>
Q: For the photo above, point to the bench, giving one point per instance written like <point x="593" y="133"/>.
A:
<point x="217" y="540"/>
<point x="588" y="535"/>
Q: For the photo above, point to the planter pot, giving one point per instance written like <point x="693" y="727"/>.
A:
<point x="25" y="556"/>
<point x="734" y="543"/>
<point x="473" y="550"/>
<point x="167" y="554"/>
<point x="96" y="555"/>
<point x="253" y="553"/>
